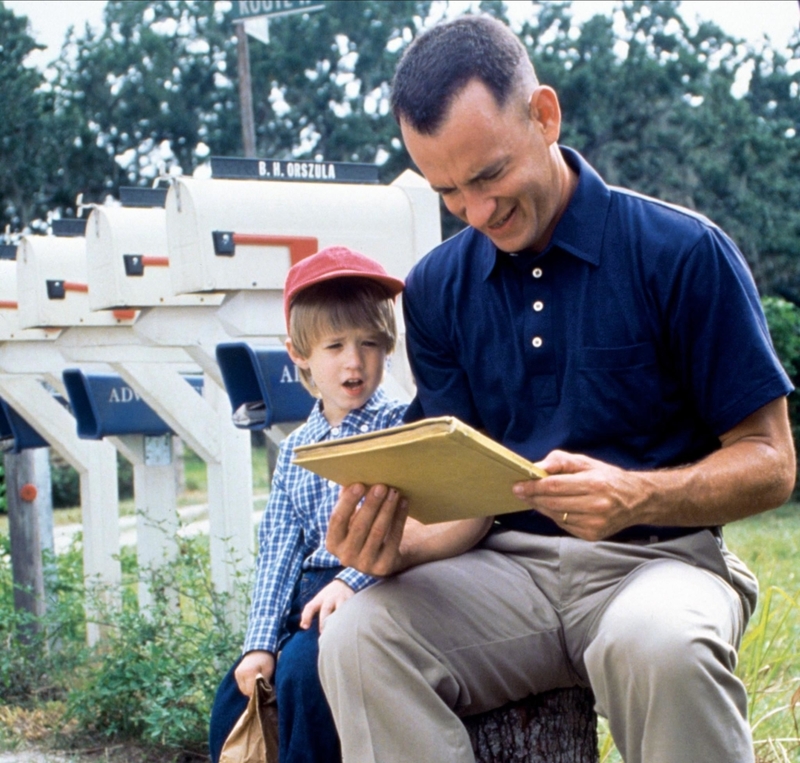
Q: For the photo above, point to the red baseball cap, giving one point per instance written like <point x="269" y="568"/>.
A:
<point x="334" y="262"/>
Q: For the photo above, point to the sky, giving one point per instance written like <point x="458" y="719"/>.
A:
<point x="749" y="19"/>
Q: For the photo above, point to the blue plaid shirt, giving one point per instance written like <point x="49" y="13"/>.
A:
<point x="292" y="532"/>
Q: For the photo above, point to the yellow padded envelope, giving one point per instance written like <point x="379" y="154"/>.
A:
<point x="445" y="468"/>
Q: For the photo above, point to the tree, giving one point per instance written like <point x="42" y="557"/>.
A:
<point x="154" y="91"/>
<point x="652" y="107"/>
<point x="21" y="129"/>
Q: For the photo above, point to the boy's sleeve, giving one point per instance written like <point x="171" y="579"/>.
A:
<point x="358" y="581"/>
<point x="278" y="567"/>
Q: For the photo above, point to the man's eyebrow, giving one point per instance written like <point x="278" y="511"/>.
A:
<point x="484" y="174"/>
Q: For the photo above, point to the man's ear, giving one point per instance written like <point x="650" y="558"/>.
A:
<point x="297" y="359"/>
<point x="545" y="110"/>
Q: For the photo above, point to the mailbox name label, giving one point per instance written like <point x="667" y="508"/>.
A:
<point x="234" y="167"/>
<point x="122" y="395"/>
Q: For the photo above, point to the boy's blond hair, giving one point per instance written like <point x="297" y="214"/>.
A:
<point x="336" y="304"/>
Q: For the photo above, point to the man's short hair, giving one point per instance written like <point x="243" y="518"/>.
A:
<point x="443" y="60"/>
<point x="339" y="304"/>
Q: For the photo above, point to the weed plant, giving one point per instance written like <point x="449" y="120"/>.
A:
<point x="152" y="676"/>
<point x="38" y="655"/>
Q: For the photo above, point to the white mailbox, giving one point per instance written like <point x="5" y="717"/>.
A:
<point x="128" y="260"/>
<point x="52" y="285"/>
<point x="10" y="329"/>
<point x="234" y="235"/>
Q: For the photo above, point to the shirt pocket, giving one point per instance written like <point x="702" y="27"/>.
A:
<point x="619" y="390"/>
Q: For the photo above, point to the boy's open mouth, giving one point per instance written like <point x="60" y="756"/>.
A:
<point x="353" y="383"/>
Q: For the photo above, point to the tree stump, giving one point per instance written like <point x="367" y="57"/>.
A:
<point x="553" y="727"/>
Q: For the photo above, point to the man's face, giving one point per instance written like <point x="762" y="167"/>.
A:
<point x="495" y="168"/>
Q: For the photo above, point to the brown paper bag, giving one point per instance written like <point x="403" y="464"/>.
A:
<point x="254" y="738"/>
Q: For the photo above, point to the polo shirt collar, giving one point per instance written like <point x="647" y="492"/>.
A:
<point x="318" y="427"/>
<point x="581" y="227"/>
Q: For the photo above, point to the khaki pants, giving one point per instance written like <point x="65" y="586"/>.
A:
<point x="652" y="628"/>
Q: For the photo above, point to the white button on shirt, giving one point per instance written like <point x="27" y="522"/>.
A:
<point x="335" y="431"/>
<point x="538" y="306"/>
<point x="364" y="428"/>
<point x="537" y="273"/>
<point x="536" y="341"/>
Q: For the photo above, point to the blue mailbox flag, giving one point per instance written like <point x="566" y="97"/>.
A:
<point x="104" y="405"/>
<point x="263" y="385"/>
<point x="16" y="434"/>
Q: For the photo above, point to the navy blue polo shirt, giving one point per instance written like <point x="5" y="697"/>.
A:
<point x="636" y="337"/>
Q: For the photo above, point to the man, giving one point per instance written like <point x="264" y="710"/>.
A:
<point x="619" y="342"/>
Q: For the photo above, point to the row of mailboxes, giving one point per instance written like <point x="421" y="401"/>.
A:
<point x="213" y="236"/>
<point x="262" y="385"/>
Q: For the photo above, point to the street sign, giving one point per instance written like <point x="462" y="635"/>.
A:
<point x="247" y="9"/>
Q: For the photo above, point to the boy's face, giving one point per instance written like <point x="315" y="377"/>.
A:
<point x="346" y="366"/>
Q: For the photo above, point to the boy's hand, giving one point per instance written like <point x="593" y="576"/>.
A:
<point x="253" y="664"/>
<point x="326" y="602"/>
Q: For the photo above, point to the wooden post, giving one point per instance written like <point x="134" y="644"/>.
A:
<point x="155" y="494"/>
<point x="245" y="92"/>
<point x="26" y="549"/>
<point x="553" y="727"/>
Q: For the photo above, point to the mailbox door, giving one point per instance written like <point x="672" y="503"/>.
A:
<point x="128" y="260"/>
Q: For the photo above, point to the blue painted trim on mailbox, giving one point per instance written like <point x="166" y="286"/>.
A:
<point x="263" y="374"/>
<point x="104" y="405"/>
<point x="13" y="425"/>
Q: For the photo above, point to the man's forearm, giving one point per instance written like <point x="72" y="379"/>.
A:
<point x="427" y="543"/>
<point x="754" y="470"/>
<point x="732" y="483"/>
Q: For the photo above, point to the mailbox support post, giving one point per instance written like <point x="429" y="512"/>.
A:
<point x="204" y="425"/>
<point x="155" y="493"/>
<point x="25" y="532"/>
<point x="96" y="463"/>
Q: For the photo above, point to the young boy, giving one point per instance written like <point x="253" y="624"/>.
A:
<point x="341" y="326"/>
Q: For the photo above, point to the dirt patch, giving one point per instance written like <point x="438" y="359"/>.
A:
<point x="39" y="735"/>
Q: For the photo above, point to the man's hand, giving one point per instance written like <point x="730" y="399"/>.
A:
<point x="379" y="539"/>
<point x="588" y="498"/>
<point x="253" y="664"/>
<point x="367" y="537"/>
<point x="325" y="603"/>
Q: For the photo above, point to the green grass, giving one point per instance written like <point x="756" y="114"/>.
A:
<point x="769" y="661"/>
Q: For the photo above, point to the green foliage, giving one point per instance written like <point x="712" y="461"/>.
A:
<point x="66" y="484"/>
<point x="3" y="504"/>
<point x="153" y="676"/>
<point x="783" y="319"/>
<point x="22" y="128"/>
<point x="768" y="659"/>
<point x="38" y="655"/>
